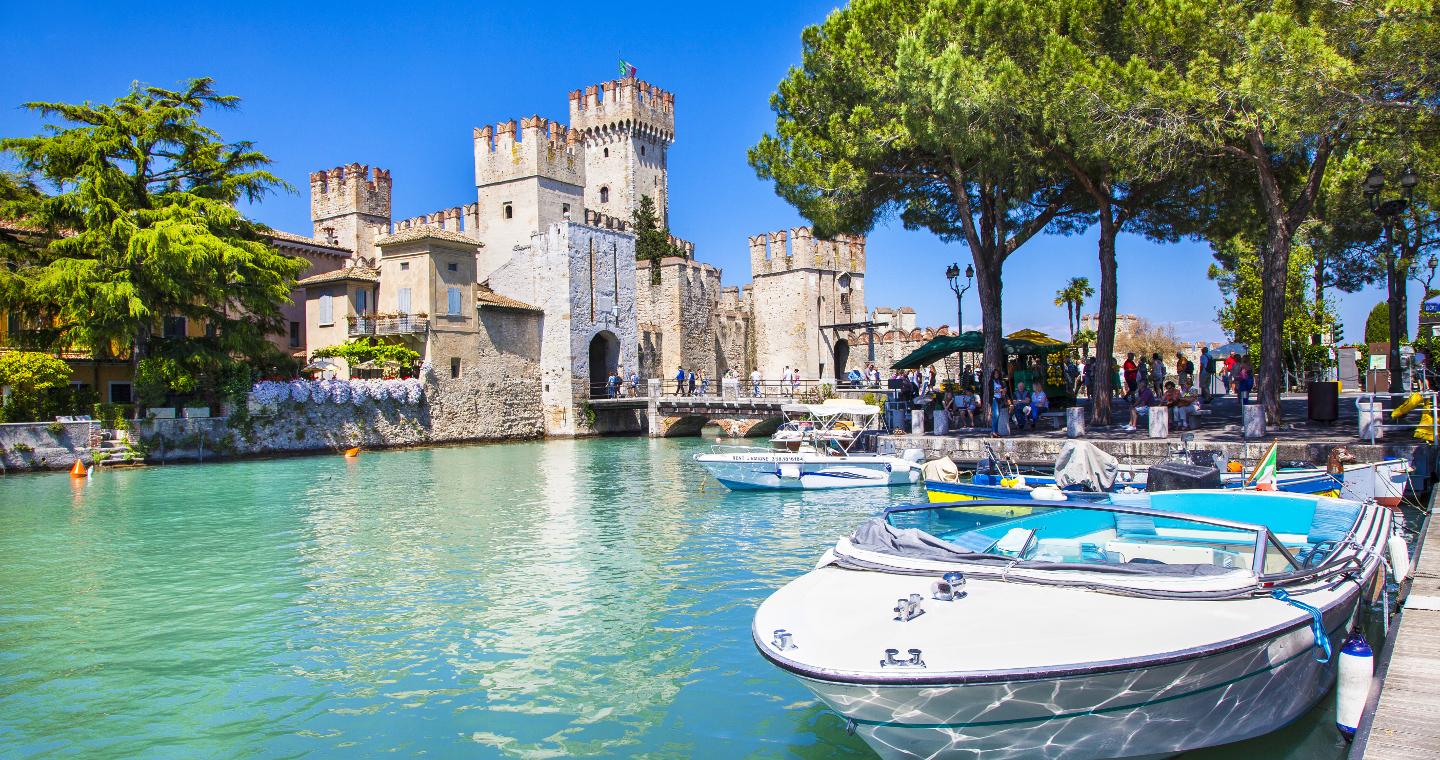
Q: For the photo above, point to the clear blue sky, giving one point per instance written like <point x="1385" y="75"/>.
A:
<point x="401" y="85"/>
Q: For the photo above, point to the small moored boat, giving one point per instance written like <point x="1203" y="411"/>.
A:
<point x="822" y="455"/>
<point x="1160" y="623"/>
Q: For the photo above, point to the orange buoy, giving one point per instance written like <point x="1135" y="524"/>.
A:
<point x="352" y="453"/>
<point x="78" y="470"/>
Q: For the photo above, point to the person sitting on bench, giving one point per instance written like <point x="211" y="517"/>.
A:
<point x="1144" y="399"/>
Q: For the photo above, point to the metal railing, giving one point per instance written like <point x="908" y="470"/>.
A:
<point x="736" y="389"/>
<point x="405" y="325"/>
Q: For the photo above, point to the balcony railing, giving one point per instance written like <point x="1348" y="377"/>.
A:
<point x="389" y="326"/>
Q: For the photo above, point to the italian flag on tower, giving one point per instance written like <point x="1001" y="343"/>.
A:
<point x="626" y="70"/>
<point x="1263" y="478"/>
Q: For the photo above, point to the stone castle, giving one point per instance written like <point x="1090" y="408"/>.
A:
<point x="535" y="283"/>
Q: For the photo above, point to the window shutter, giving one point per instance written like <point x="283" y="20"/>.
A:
<point x="326" y="310"/>
<point x="452" y="297"/>
<point x="404" y="299"/>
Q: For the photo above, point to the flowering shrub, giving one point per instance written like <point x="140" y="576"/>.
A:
<point x="269" y="392"/>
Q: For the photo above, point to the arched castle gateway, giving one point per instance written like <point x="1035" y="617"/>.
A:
<point x="540" y="269"/>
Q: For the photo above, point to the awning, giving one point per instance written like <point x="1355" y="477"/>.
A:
<point x="973" y="341"/>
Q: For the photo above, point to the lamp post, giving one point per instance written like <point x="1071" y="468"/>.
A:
<point x="1388" y="211"/>
<point x="952" y="273"/>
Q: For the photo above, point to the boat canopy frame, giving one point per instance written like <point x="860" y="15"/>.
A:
<point x="1264" y="538"/>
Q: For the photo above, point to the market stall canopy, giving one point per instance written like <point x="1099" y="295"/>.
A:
<point x="1230" y="348"/>
<point x="1430" y="305"/>
<point x="943" y="346"/>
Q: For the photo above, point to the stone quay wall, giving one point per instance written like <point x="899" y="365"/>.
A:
<point x="42" y="445"/>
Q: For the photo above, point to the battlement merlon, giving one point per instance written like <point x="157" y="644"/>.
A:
<point x="798" y="248"/>
<point x="537" y="147"/>
<point x="624" y="103"/>
<point x="349" y="189"/>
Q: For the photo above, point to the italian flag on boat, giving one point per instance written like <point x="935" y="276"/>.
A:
<point x="1263" y="478"/>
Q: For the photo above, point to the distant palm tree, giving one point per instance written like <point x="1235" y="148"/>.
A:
<point x="1072" y="297"/>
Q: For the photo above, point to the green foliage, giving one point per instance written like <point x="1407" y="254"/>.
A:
<point x="33" y="378"/>
<point x="113" y="416"/>
<point x="652" y="237"/>
<point x="361" y="350"/>
<point x="22" y="448"/>
<point x="55" y="428"/>
<point x="139" y="222"/>
<point x="1377" y="324"/>
<point x="1240" y="315"/>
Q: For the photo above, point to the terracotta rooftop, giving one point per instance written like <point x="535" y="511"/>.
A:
<point x="422" y="233"/>
<point x="487" y="297"/>
<point x="290" y="237"/>
<point x="356" y="274"/>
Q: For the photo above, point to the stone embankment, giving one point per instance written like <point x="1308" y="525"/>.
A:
<point x="447" y="412"/>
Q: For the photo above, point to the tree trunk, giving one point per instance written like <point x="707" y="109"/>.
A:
<point x="1274" y="265"/>
<point x="1105" y="340"/>
<point x="987" y="283"/>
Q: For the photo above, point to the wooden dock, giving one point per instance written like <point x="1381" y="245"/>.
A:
<point x="1404" y="723"/>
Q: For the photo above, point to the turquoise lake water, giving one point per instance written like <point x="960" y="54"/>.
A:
<point x="565" y="598"/>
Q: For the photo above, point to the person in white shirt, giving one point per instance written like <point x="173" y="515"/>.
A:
<point x="755" y="382"/>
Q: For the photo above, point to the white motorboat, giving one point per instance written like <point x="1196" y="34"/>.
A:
<point x="1149" y="626"/>
<point x="817" y="452"/>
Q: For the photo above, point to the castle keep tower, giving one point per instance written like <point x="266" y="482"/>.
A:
<point x="525" y="181"/>
<point x="800" y="285"/>
<point x="627" y="127"/>
<point x="347" y="203"/>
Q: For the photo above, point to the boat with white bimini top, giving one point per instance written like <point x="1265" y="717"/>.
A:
<point x="835" y="419"/>
<point x="823" y="456"/>
<point x="1144" y="627"/>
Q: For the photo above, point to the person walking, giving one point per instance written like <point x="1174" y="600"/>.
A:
<point x="1228" y="375"/>
<point x="690" y="381"/>
<point x="1132" y="377"/>
<point x="612" y="385"/>
<point x="755" y="382"/>
<point x="634" y="383"/>
<point x="1207" y="373"/>
<point x="999" y="402"/>
<point x="704" y="384"/>
<point x="1142" y="372"/>
<point x="1244" y="382"/>
<point x="1157" y="373"/>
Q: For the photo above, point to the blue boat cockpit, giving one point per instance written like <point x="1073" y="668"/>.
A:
<point x="1190" y="532"/>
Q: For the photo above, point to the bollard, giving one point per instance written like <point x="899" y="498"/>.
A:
<point x="1075" y="422"/>
<point x="1372" y="416"/>
<point x="917" y="422"/>
<point x="1253" y="420"/>
<point x="1159" y="421"/>
<point x="652" y="387"/>
<point x="941" y="425"/>
<point x="730" y="389"/>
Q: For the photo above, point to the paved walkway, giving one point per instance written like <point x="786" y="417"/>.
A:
<point x="1403" y="725"/>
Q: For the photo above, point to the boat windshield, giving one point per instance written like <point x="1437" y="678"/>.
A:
<point x="1091" y="535"/>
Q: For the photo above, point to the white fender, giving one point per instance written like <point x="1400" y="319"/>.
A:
<point x="1352" y="685"/>
<point x="1399" y="557"/>
<point x="1047" y="493"/>
<point x="788" y="470"/>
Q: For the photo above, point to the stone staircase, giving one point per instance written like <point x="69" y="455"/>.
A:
<point x="114" y="445"/>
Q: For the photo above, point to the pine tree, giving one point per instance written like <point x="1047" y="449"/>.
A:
<point x="652" y="239"/>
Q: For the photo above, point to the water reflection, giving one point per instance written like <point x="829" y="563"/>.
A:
<point x="528" y="600"/>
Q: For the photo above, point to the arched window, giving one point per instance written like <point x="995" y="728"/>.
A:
<point x="604" y="195"/>
<point x="607" y="152"/>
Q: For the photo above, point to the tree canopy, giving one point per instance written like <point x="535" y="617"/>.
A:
<point x="130" y="213"/>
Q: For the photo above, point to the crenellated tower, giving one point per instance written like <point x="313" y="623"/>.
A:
<point x="347" y="203"/>
<point x="627" y="126"/>
<point x="802" y="286"/>
<point x="526" y="180"/>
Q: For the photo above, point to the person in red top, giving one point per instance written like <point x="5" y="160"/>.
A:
<point x="1132" y="377"/>
<point x="1228" y="375"/>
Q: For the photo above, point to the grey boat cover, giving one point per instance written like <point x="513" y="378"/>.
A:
<point x="1082" y="464"/>
<point x="881" y="537"/>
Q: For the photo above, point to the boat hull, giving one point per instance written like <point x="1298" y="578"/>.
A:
<point x="1150" y="711"/>
<point x="767" y="472"/>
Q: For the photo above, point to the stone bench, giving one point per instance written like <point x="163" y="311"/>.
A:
<point x="1053" y="419"/>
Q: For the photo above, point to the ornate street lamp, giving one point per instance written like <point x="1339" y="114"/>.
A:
<point x="1388" y="210"/>
<point x="952" y="273"/>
